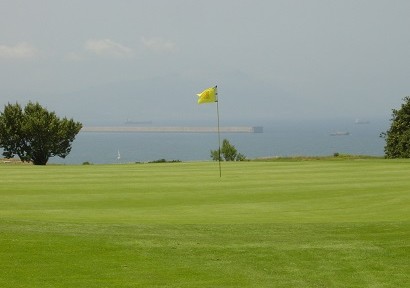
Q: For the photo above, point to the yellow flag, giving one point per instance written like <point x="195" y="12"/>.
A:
<point x="208" y="96"/>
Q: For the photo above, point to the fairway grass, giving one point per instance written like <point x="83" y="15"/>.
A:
<point x="318" y="223"/>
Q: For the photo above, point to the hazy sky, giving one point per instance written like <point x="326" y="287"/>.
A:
<point x="101" y="60"/>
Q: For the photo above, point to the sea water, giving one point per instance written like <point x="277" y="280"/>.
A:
<point x="279" y="139"/>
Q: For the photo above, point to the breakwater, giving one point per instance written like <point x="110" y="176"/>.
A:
<point x="170" y="129"/>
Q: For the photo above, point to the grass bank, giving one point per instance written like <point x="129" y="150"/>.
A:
<point x="263" y="224"/>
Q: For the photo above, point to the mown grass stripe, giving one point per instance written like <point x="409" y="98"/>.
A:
<point x="324" y="223"/>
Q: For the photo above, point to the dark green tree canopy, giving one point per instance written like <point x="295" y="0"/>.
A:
<point x="35" y="134"/>
<point x="228" y="153"/>
<point x="398" y="136"/>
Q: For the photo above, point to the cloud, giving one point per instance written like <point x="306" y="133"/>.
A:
<point x="108" y="48"/>
<point x="19" y="51"/>
<point x="74" y="56"/>
<point x="158" y="45"/>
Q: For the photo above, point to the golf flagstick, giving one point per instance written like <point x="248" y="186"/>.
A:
<point x="219" y="133"/>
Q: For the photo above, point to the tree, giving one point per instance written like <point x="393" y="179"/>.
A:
<point x="34" y="134"/>
<point x="228" y="153"/>
<point x="398" y="136"/>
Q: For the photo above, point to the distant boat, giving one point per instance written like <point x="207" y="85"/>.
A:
<point x="340" y="133"/>
<point x="360" y="121"/>
<point x="118" y="155"/>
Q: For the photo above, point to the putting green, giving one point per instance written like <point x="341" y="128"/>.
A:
<point x="312" y="223"/>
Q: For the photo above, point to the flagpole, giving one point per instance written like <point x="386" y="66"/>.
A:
<point x="219" y="134"/>
<point x="210" y="95"/>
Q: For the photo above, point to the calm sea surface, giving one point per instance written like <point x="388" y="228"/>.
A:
<point x="279" y="139"/>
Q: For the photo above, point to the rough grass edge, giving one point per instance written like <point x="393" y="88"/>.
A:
<point x="334" y="157"/>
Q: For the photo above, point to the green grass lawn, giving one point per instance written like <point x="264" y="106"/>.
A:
<point x="321" y="223"/>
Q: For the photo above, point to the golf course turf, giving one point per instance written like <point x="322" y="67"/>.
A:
<point x="316" y="223"/>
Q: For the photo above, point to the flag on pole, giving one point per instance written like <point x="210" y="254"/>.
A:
<point x="209" y="95"/>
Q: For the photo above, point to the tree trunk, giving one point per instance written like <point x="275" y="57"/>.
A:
<point x="40" y="159"/>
